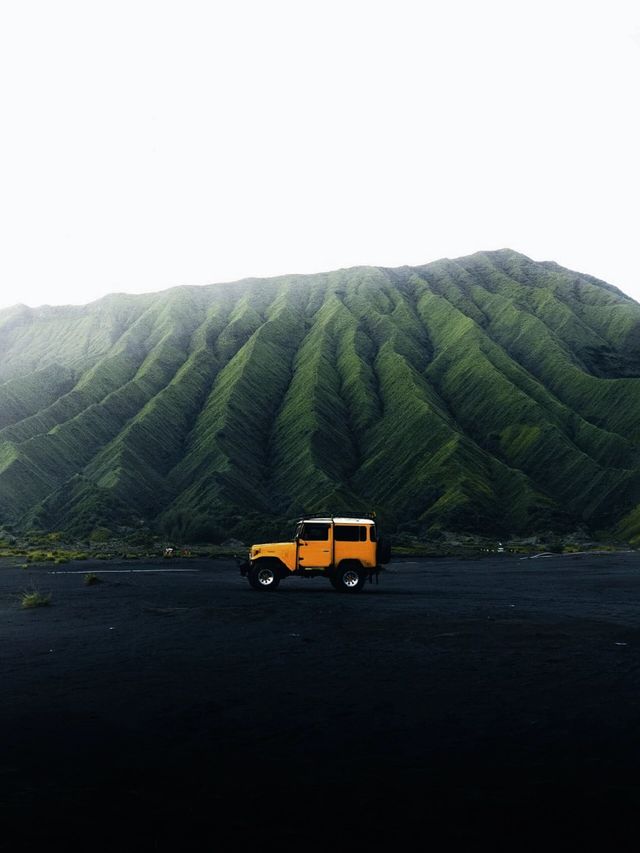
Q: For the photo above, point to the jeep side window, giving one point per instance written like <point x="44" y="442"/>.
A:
<point x="315" y="532"/>
<point x="372" y="532"/>
<point x="350" y="533"/>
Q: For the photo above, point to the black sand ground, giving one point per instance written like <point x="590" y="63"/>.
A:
<point x="495" y="700"/>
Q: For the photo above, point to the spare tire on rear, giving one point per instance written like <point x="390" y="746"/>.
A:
<point x="383" y="551"/>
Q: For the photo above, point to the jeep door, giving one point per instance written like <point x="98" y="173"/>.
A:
<point x="315" y="546"/>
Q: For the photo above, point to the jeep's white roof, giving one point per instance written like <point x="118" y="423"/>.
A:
<point x="344" y="520"/>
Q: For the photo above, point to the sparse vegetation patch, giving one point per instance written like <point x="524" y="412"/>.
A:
<point x="34" y="598"/>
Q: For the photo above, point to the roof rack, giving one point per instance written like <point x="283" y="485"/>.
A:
<point x="342" y="514"/>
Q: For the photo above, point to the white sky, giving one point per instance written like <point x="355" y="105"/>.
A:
<point x="150" y="144"/>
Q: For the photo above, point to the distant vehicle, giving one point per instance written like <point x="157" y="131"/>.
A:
<point x="344" y="549"/>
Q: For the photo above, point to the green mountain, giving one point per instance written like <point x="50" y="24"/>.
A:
<point x="489" y="394"/>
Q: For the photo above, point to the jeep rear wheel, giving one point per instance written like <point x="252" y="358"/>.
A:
<point x="349" y="578"/>
<point x="264" y="577"/>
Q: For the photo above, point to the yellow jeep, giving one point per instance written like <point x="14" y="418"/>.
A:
<point x="344" y="549"/>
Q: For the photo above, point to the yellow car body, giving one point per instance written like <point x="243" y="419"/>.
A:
<point x="345" y="549"/>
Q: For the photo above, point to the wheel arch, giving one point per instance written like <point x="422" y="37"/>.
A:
<point x="274" y="563"/>
<point x="349" y="562"/>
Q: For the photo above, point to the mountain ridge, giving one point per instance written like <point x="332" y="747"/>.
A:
<point x="552" y="265"/>
<point x="485" y="393"/>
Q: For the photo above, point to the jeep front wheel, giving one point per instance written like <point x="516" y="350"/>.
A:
<point x="349" y="578"/>
<point x="264" y="577"/>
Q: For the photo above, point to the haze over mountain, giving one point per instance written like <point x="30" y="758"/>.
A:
<point x="490" y="394"/>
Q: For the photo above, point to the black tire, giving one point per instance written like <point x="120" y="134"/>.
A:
<point x="383" y="552"/>
<point x="264" y="576"/>
<point x="349" y="578"/>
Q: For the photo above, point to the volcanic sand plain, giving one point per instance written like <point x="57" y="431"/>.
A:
<point x="456" y="701"/>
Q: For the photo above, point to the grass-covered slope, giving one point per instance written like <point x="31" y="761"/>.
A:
<point x="490" y="394"/>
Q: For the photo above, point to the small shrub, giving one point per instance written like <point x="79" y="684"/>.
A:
<point x="100" y="534"/>
<point x="41" y="557"/>
<point x="60" y="560"/>
<point x="90" y="579"/>
<point x="35" y="599"/>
